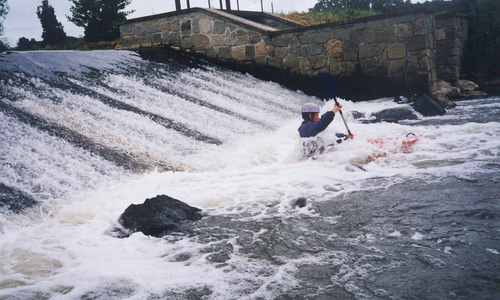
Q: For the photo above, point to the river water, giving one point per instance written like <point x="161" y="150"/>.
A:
<point x="85" y="134"/>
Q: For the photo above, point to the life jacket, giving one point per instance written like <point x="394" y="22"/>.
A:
<point x="310" y="129"/>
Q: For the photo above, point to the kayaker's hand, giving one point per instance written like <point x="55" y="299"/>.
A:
<point x="336" y="108"/>
<point x="349" y="136"/>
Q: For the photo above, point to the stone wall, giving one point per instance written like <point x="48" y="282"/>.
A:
<point x="450" y="35"/>
<point x="398" y="49"/>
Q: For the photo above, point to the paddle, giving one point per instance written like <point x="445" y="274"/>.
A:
<point x="330" y="86"/>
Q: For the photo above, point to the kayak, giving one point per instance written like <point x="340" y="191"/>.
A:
<point x="395" y="144"/>
<point x="312" y="147"/>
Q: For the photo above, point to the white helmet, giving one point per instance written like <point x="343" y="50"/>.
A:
<point x="310" y="108"/>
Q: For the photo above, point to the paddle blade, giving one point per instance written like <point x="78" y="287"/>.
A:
<point x="329" y="83"/>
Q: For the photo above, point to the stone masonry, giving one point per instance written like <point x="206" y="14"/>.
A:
<point x="398" y="48"/>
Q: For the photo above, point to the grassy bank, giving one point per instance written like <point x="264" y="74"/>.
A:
<point x="314" y="18"/>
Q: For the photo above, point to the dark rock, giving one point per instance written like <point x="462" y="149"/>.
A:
<point x="398" y="100"/>
<point x="14" y="199"/>
<point x="445" y="88"/>
<point x="466" y="85"/>
<point x="301" y="202"/>
<point x="394" y="115"/>
<point x="427" y="106"/>
<point x="443" y="100"/>
<point x="158" y="216"/>
<point x="357" y="115"/>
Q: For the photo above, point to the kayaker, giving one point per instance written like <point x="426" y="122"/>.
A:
<point x="313" y="124"/>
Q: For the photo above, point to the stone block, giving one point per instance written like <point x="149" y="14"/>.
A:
<point x="369" y="36"/>
<point x="379" y="49"/>
<point x="420" y="26"/>
<point x="275" y="62"/>
<point x="359" y="26"/>
<point x="230" y="40"/>
<point x="280" y="41"/>
<point x="165" y="37"/>
<point x="294" y="40"/>
<point x="404" y="30"/>
<point x="350" y="51"/>
<point x="167" y="25"/>
<point x="319" y="62"/>
<point x="176" y="25"/>
<point x="261" y="60"/>
<point x="126" y="29"/>
<point x="280" y="52"/>
<point x="186" y="43"/>
<point x="351" y="68"/>
<point x="417" y="43"/>
<point x="341" y="34"/>
<point x="366" y="51"/>
<point x="250" y="51"/>
<point x="186" y="27"/>
<point x="304" y="64"/>
<point x="217" y="40"/>
<point x="387" y="35"/>
<point x="238" y="53"/>
<point x="261" y="49"/>
<point x="195" y="26"/>
<point x="424" y="64"/>
<point x="201" y="48"/>
<point x="242" y="37"/>
<point x="334" y="47"/>
<point x="156" y="39"/>
<point x="367" y="64"/>
<point x="302" y="51"/>
<point x="212" y="52"/>
<point x="412" y="63"/>
<point x="225" y="52"/>
<point x="291" y="61"/>
<point x="306" y="38"/>
<point x="174" y="38"/>
<point x="396" y="50"/>
<point x="322" y="37"/>
<point x="199" y="38"/>
<point x="334" y="67"/>
<point x="439" y="34"/>
<point x="219" y="27"/>
<point x="396" y="66"/>
<point x="205" y="25"/>
<point x="254" y="37"/>
<point x="314" y="49"/>
<point x="140" y="29"/>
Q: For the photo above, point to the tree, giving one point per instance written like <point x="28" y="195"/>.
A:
<point x="53" y="32"/>
<point x="483" y="49"/>
<point x="99" y="18"/>
<point x="4" y="9"/>
<point x="24" y="44"/>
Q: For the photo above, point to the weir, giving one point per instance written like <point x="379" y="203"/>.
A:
<point x="383" y="55"/>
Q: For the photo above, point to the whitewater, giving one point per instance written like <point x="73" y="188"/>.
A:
<point x="85" y="134"/>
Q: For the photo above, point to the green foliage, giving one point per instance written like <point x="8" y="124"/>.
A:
<point x="53" y="32"/>
<point x="99" y="18"/>
<point x="319" y="17"/>
<point x="4" y="9"/>
<point x="23" y="44"/>
<point x="380" y="5"/>
<point x="483" y="49"/>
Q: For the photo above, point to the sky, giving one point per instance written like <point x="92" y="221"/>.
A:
<point x="22" y="21"/>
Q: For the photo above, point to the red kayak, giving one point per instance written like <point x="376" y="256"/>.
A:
<point x="395" y="144"/>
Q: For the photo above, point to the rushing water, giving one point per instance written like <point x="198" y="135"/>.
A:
<point x="85" y="134"/>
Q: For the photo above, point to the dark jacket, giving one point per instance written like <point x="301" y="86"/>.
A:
<point x="311" y="129"/>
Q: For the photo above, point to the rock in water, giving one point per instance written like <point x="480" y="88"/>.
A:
<point x="427" y="106"/>
<point x="394" y="115"/>
<point x="158" y="216"/>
